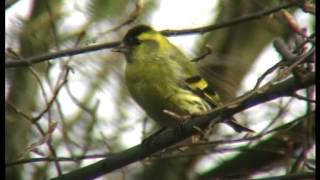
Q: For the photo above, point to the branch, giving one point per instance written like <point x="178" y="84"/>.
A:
<point x="49" y="159"/>
<point x="235" y="21"/>
<point x="69" y="52"/>
<point x="173" y="135"/>
<point x="9" y="3"/>
<point x="304" y="175"/>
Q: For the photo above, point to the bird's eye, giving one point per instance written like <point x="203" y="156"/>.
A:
<point x="135" y="41"/>
<point x="132" y="41"/>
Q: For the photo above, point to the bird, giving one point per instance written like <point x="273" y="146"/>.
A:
<point x="164" y="82"/>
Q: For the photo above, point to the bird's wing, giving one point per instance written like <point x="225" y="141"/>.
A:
<point x="192" y="80"/>
<point x="200" y="86"/>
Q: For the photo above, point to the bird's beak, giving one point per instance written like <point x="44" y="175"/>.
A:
<point x="120" y="49"/>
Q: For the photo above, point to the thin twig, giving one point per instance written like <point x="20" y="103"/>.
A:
<point x="209" y="51"/>
<point x="303" y="98"/>
<point x="235" y="21"/>
<point x="18" y="111"/>
<point x="49" y="159"/>
<point x="55" y="94"/>
<point x="62" y="53"/>
<point x="267" y="72"/>
<point x="69" y="52"/>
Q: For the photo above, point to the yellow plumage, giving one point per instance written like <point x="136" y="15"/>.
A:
<point x="160" y="77"/>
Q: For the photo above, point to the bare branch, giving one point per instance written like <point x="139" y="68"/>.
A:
<point x="69" y="52"/>
<point x="170" y="136"/>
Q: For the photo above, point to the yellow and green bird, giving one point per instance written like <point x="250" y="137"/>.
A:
<point x="161" y="78"/>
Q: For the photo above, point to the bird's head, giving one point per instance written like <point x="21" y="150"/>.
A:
<point x="141" y="36"/>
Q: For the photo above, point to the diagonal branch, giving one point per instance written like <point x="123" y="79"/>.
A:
<point x="174" y="135"/>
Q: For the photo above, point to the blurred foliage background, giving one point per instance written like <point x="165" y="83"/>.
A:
<point x="78" y="106"/>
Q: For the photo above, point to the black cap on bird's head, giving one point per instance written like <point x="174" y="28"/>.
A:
<point x="131" y="38"/>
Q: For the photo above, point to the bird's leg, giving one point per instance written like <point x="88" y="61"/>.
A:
<point x="178" y="117"/>
<point x="183" y="119"/>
